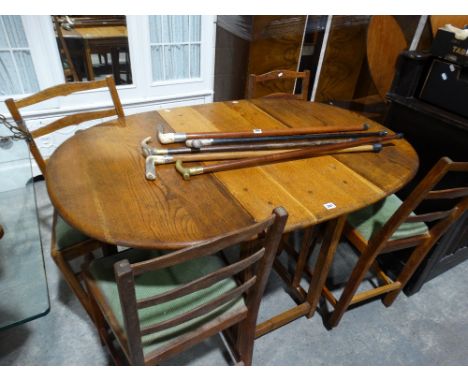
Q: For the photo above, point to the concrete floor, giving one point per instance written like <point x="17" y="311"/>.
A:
<point x="429" y="328"/>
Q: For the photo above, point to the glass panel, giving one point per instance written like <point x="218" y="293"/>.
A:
<point x="106" y="37"/>
<point x="26" y="71"/>
<point x="174" y="57"/>
<point x="3" y="38"/>
<point x="175" y="29"/>
<point x="155" y="29"/>
<point x="195" y="60"/>
<point x="195" y="28"/>
<point x="9" y="82"/>
<point x="176" y="60"/>
<point x="15" y="31"/>
<point x="157" y="63"/>
<point x="24" y="294"/>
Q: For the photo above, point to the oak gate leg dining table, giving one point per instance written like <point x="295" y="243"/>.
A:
<point x="96" y="182"/>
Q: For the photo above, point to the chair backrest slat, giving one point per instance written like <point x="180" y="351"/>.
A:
<point x="69" y="120"/>
<point x="451" y="193"/>
<point x="254" y="80"/>
<point x="200" y="250"/>
<point x="429" y="217"/>
<point x="57" y="91"/>
<point x="201" y="309"/>
<point x="202" y="282"/>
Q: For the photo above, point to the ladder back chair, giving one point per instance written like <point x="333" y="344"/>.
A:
<point x="57" y="91"/>
<point x="157" y="305"/>
<point x="392" y="225"/>
<point x="271" y="81"/>
<point x="67" y="62"/>
<point x="67" y="243"/>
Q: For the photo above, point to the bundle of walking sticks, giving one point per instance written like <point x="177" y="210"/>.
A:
<point x="243" y="149"/>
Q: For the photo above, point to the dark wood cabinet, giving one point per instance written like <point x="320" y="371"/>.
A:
<point x="434" y="132"/>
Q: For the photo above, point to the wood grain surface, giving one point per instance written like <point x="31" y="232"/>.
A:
<point x="385" y="41"/>
<point x="344" y="56"/>
<point x="97" y="181"/>
<point x="105" y="194"/>
<point x="96" y="32"/>
<point x="276" y="44"/>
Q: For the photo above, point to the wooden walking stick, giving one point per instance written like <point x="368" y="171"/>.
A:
<point x="148" y="150"/>
<point x="153" y="160"/>
<point x="182" y="137"/>
<point x="281" y="157"/>
<point x="198" y="143"/>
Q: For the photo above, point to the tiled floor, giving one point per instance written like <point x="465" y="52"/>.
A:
<point x="429" y="328"/>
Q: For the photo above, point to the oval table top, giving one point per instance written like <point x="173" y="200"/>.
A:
<point x="96" y="178"/>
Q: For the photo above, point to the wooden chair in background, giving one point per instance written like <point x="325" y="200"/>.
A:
<point x="159" y="305"/>
<point x="67" y="62"/>
<point x="271" y="79"/>
<point x="392" y="225"/>
<point x="67" y="243"/>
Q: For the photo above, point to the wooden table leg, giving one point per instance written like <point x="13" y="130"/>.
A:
<point x="116" y="65"/>
<point x="330" y="242"/>
<point x="88" y="61"/>
<point x="307" y="307"/>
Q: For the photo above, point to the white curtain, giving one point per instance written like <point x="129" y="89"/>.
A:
<point x="175" y="47"/>
<point x="17" y="75"/>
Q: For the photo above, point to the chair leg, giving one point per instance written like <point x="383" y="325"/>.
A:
<point x="71" y="280"/>
<point x="407" y="272"/>
<point x="359" y="272"/>
<point x="96" y="315"/>
<point x="245" y="341"/>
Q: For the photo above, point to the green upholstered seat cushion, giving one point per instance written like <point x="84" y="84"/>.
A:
<point x="66" y="236"/>
<point x="371" y="219"/>
<point x="160" y="281"/>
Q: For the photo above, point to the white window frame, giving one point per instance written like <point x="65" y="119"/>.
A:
<point x="143" y="92"/>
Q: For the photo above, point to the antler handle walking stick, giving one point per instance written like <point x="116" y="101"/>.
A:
<point x="182" y="137"/>
<point x="281" y="157"/>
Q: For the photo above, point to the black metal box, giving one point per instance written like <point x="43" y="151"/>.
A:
<point x="446" y="86"/>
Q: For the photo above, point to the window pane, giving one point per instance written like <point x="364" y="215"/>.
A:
<point x="176" y="59"/>
<point x="15" y="31"/>
<point x="195" y="28"/>
<point x="155" y="29"/>
<point x="175" y="29"/>
<point x="17" y="74"/>
<point x="3" y="38"/>
<point x="8" y="79"/>
<point x="157" y="63"/>
<point x="177" y="54"/>
<point x="25" y="67"/>
<point x="195" y="60"/>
